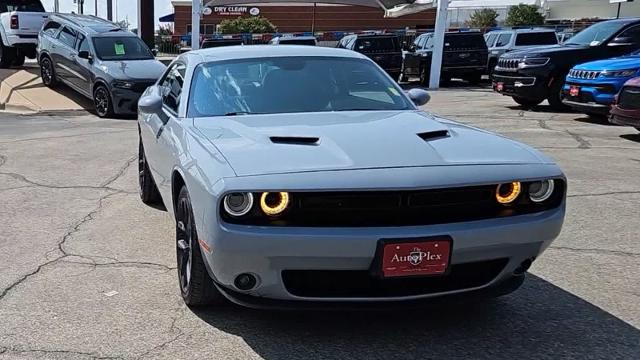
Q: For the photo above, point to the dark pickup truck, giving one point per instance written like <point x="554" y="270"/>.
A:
<point x="530" y="76"/>
<point x="383" y="49"/>
<point x="465" y="56"/>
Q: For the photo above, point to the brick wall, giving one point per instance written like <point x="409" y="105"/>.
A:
<point x="298" y="18"/>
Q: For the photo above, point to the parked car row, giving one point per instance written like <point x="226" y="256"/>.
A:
<point x="586" y="73"/>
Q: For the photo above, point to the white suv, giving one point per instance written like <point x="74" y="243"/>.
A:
<point x="20" y="22"/>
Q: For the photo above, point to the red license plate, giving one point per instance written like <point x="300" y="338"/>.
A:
<point x="500" y="87"/>
<point x="416" y="258"/>
<point x="574" y="91"/>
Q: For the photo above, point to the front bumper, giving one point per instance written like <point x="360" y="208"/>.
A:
<point x="526" y="86"/>
<point x="267" y="252"/>
<point x="125" y="102"/>
<point x="625" y="117"/>
<point x="593" y="97"/>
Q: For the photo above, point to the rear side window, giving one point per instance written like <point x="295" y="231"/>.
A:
<point x="377" y="44"/>
<point x="51" y="28"/>
<point x="541" y="38"/>
<point x="67" y="36"/>
<point x="172" y="85"/>
<point x="298" y="42"/>
<point x="464" y="42"/>
<point x="21" y="5"/>
<point x="503" y="40"/>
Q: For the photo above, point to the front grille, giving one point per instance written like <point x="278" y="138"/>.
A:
<point x="508" y="64"/>
<point x="395" y="208"/>
<point x="360" y="283"/>
<point x="583" y="74"/>
<point x="141" y="86"/>
<point x="629" y="98"/>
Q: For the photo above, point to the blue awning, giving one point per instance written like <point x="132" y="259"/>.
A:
<point x="168" y="18"/>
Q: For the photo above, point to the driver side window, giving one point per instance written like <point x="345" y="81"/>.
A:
<point x="633" y="33"/>
<point x="172" y="87"/>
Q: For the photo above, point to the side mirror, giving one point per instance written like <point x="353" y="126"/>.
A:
<point x="154" y="52"/>
<point x="419" y="96"/>
<point x="622" y="41"/>
<point x="151" y="100"/>
<point x="84" y="54"/>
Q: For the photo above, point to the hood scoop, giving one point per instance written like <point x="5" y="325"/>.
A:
<point x="294" y="140"/>
<point x="433" y="135"/>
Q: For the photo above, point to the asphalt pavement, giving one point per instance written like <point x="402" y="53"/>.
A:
<point x="87" y="271"/>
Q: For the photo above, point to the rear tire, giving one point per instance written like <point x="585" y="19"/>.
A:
<point x="7" y="56"/>
<point x="149" y="193"/>
<point x="425" y="75"/>
<point x="196" y="286"/>
<point x="555" y="94"/>
<point x="474" y="79"/>
<point x="19" y="60"/>
<point x="527" y="103"/>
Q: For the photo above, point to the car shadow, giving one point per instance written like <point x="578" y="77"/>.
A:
<point x="539" y="321"/>
<point x="631" y="137"/>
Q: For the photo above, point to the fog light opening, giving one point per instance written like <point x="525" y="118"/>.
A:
<point x="245" y="282"/>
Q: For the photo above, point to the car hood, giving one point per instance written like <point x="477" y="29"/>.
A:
<point x="547" y="51"/>
<point x="619" y="63"/>
<point x="280" y="143"/>
<point x="134" y="69"/>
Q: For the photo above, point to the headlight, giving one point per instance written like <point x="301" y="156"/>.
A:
<point x="238" y="204"/>
<point x="274" y="203"/>
<point x="123" y="84"/>
<point x="541" y="191"/>
<point x="619" y="73"/>
<point x="533" y="62"/>
<point x="508" y="193"/>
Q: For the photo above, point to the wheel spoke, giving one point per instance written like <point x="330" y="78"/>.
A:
<point x="182" y="245"/>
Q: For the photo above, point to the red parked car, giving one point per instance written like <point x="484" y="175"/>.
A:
<point x="626" y="109"/>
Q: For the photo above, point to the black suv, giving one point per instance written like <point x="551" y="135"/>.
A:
<point x="99" y="60"/>
<point x="383" y="49"/>
<point x="465" y="56"/>
<point x="530" y="76"/>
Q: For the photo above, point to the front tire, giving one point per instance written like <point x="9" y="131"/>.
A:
<point x="474" y="79"/>
<point x="196" y="286"/>
<point x="555" y="94"/>
<point x="102" y="102"/>
<point x="47" y="72"/>
<point x="149" y="193"/>
<point x="527" y="103"/>
<point x="19" y="60"/>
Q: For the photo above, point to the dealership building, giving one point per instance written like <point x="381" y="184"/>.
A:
<point x="301" y="17"/>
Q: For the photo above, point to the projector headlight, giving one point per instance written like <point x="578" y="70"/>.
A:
<point x="238" y="204"/>
<point x="541" y="191"/>
<point x="274" y="203"/>
<point x="508" y="193"/>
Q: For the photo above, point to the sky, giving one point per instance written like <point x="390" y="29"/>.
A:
<point x="122" y="9"/>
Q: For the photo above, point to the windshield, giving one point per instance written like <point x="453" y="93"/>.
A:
<point x="377" y="44"/>
<point x="121" y="48"/>
<point x="21" y="5"/>
<point x="596" y="34"/>
<point x="292" y="84"/>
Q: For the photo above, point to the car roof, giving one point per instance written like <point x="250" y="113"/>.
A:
<point x="91" y="24"/>
<point x="280" y="38"/>
<point x="265" y="51"/>
<point x="522" y="31"/>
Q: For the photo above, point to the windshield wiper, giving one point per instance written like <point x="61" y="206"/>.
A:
<point x="234" y="113"/>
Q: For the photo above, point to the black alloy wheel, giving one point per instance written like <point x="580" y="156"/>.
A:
<point x="102" y="102"/>
<point x="46" y="72"/>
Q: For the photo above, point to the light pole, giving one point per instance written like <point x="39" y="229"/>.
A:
<point x="438" y="43"/>
<point x="195" y="24"/>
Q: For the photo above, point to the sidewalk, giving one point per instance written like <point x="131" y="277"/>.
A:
<point x="22" y="91"/>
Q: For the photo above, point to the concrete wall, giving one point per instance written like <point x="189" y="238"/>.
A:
<point x="578" y="9"/>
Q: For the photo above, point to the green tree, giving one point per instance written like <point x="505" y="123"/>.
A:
<point x="240" y="25"/>
<point x="522" y="15"/>
<point x="483" y="18"/>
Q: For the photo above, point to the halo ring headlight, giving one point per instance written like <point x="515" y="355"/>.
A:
<point x="508" y="193"/>
<point x="238" y="204"/>
<point x="541" y="191"/>
<point x="274" y="203"/>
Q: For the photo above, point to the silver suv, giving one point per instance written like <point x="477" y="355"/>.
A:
<point x="503" y="41"/>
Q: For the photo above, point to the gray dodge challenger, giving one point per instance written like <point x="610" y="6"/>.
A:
<point x="305" y="176"/>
